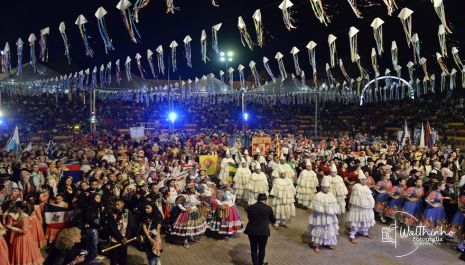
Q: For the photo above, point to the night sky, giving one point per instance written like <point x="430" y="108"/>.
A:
<point x="20" y="18"/>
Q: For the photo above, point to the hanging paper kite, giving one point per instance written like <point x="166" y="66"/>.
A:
<point x="391" y="6"/>
<point x="32" y="51"/>
<point x="215" y="30"/>
<point x="127" y="68"/>
<point x="93" y="83"/>
<point x="363" y="72"/>
<point x="256" y="77"/>
<point x="139" y="65"/>
<point x="203" y="46"/>
<point x="457" y="60"/>
<point x="353" y="31"/>
<point x="81" y="23"/>
<point x="443" y="81"/>
<point x="102" y="76"/>
<point x="439" y="8"/>
<point x="6" y="59"/>
<point x="108" y="73"/>
<point x="138" y="6"/>
<point x="329" y="75"/>
<point x="245" y="37"/>
<point x="398" y="70"/>
<point x="332" y="49"/>
<point x="295" y="56"/>
<point x="268" y="69"/>
<point x="231" y="76"/>
<point x="129" y="20"/>
<point x="222" y="79"/>
<point x="288" y="20"/>
<point x="257" y="19"/>
<point x="173" y="46"/>
<point x="118" y="72"/>
<point x="215" y="4"/>
<point x="43" y="44"/>
<point x="319" y="12"/>
<point x="453" y="77"/>
<point x="150" y="59"/>
<point x="160" y="60"/>
<point x="170" y="6"/>
<point x="62" y="29"/>
<point x="416" y="48"/>
<point x="312" y="58"/>
<point x="102" y="28"/>
<point x="377" y="26"/>
<point x="353" y="5"/>
<point x="394" y="54"/>
<point x="424" y="67"/>
<point x="374" y="62"/>
<point x="282" y="70"/>
<point x="343" y="70"/>
<point x="405" y="17"/>
<point x="442" y="64"/>
<point x="187" y="49"/>
<point x="442" y="40"/>
<point x="240" y="68"/>
<point x="463" y="77"/>
<point x="410" y="65"/>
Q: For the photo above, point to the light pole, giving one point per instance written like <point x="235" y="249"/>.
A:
<point x="226" y="58"/>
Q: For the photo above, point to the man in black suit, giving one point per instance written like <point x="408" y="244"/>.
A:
<point x="121" y="227"/>
<point x="260" y="215"/>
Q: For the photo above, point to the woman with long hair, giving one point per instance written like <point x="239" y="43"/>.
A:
<point x="151" y="225"/>
<point x="434" y="216"/>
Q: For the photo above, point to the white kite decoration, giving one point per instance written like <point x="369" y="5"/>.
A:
<point x="160" y="60"/>
<point x="127" y="67"/>
<point x="222" y="78"/>
<point x="231" y="76"/>
<point x="173" y="46"/>
<point x="32" y="51"/>
<point x="457" y="60"/>
<point x="353" y="5"/>
<point x="374" y="62"/>
<point x="43" y="44"/>
<point x="424" y="67"/>
<point x="394" y="54"/>
<point x="256" y="76"/>
<point x="170" y="6"/>
<point x="377" y="26"/>
<point x="452" y="80"/>
<point x="332" y="49"/>
<point x="405" y="17"/>
<point x="410" y="65"/>
<point x="129" y="20"/>
<point x="391" y="6"/>
<point x="203" y="46"/>
<point x="363" y="72"/>
<point x="62" y="29"/>
<point x="118" y="72"/>
<point x="353" y="32"/>
<point x="312" y="59"/>
<point x="257" y="19"/>
<point x="139" y="65"/>
<point x="295" y="56"/>
<point x="81" y="23"/>
<point x="288" y="20"/>
<point x="416" y="48"/>
<point x="439" y="8"/>
<point x="343" y="70"/>
<point x="318" y="10"/>
<point x="282" y="70"/>
<point x="6" y="58"/>
<point x="240" y="68"/>
<point x="442" y="64"/>
<point x="268" y="69"/>
<point x="443" y="81"/>
<point x="331" y="79"/>
<point x="187" y="49"/>
<point x="442" y="40"/>
<point x="102" y="28"/>
<point x="215" y="30"/>
<point x="245" y="37"/>
<point x="150" y="59"/>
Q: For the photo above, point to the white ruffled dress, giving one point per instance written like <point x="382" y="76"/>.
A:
<point x="306" y="187"/>
<point x="258" y="183"/>
<point x="283" y="193"/>
<point x="323" y="224"/>
<point x="361" y="214"/>
<point x="241" y="180"/>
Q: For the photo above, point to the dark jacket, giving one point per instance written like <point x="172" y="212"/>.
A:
<point x="131" y="229"/>
<point x="260" y="216"/>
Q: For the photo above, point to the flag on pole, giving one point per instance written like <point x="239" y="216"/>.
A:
<point x="422" y="136"/>
<point x="13" y="143"/>
<point x="57" y="217"/>
<point x="428" y="135"/>
<point x="28" y="148"/>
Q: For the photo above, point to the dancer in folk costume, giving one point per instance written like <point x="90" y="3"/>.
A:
<point x="241" y="180"/>
<point x="283" y="193"/>
<point x="361" y="216"/>
<point x="306" y="185"/>
<point x="282" y="166"/>
<point x="413" y="204"/>
<point x="397" y="200"/>
<point x="323" y="224"/>
<point x="223" y="176"/>
<point x="189" y="224"/>
<point x="3" y="246"/>
<point x="227" y="221"/>
<point x="258" y="183"/>
<point x="208" y="191"/>
<point x="382" y="189"/>
<point x="170" y="196"/>
<point x="456" y="225"/>
<point x="434" y="216"/>
<point x="337" y="187"/>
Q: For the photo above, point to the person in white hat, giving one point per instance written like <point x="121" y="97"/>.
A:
<point x="258" y="183"/>
<point x="361" y="216"/>
<point x="306" y="185"/>
<point x="247" y="157"/>
<point x="224" y="171"/>
<point x="283" y="193"/>
<point x="323" y="225"/>
<point x="283" y="167"/>
<point x="241" y="179"/>
<point x="337" y="187"/>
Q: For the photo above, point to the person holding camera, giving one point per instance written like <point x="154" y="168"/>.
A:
<point x="67" y="249"/>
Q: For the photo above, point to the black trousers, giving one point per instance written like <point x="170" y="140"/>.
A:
<point x="119" y="255"/>
<point x="257" y="248"/>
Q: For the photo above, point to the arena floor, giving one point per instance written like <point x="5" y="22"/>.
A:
<point x="290" y="247"/>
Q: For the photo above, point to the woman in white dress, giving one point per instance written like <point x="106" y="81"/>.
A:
<point x="306" y="185"/>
